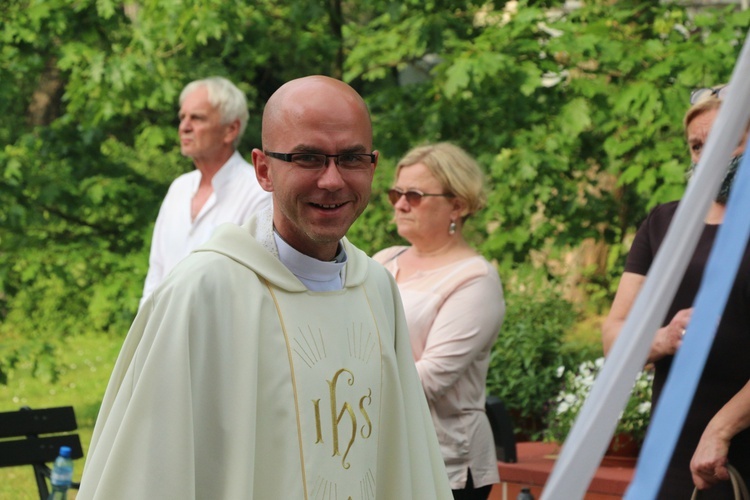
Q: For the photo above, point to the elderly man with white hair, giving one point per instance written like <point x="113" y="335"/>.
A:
<point x="222" y="188"/>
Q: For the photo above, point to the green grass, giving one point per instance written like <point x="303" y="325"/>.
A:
<point x="84" y="363"/>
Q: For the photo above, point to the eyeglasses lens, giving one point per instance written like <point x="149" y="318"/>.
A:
<point x="412" y="197"/>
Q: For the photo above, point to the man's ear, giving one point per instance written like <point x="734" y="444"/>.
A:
<point x="233" y="130"/>
<point x="262" y="172"/>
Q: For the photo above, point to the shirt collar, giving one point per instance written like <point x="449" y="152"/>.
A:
<point x="227" y="171"/>
<point x="317" y="275"/>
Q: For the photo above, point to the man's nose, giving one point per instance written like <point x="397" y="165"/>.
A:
<point x="330" y="177"/>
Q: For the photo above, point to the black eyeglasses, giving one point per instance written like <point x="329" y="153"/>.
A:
<point x="413" y="196"/>
<point x="318" y="161"/>
<point x="699" y="95"/>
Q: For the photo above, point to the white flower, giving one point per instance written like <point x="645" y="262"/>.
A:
<point x="633" y="419"/>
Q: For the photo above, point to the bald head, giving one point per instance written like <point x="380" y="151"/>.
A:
<point x="317" y="94"/>
<point x="314" y="207"/>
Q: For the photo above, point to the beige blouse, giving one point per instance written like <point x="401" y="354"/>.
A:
<point x="454" y="314"/>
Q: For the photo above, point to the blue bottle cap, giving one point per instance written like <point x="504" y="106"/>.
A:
<point x="65" y="451"/>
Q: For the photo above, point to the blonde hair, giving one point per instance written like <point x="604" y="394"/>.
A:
<point x="457" y="172"/>
<point x="704" y="105"/>
<point x="699" y="108"/>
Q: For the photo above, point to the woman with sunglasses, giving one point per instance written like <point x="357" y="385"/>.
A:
<point x="454" y="305"/>
<point x="720" y="411"/>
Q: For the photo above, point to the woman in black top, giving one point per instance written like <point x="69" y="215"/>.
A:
<point x="719" y="415"/>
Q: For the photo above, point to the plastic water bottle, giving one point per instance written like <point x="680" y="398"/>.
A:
<point x="525" y="494"/>
<point x="62" y="474"/>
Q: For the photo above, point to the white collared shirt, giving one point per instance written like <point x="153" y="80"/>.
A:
<point x="236" y="196"/>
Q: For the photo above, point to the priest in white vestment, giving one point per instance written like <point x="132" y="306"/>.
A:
<point x="274" y="362"/>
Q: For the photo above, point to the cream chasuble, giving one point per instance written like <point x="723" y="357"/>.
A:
<point x="236" y="382"/>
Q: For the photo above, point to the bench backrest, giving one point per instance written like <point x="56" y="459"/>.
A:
<point x="24" y="440"/>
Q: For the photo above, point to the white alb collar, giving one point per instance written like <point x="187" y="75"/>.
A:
<point x="316" y="275"/>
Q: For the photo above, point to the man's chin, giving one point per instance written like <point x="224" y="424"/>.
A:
<point x="328" y="235"/>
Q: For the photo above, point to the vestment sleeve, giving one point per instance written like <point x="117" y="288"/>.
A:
<point x="141" y="412"/>
<point x="151" y="439"/>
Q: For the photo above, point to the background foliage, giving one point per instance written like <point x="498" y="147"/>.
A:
<point x="576" y="115"/>
<point x="529" y="349"/>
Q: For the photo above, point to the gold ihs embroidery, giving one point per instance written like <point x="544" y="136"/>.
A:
<point x="337" y="415"/>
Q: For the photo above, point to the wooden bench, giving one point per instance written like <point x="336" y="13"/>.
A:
<point x="24" y="440"/>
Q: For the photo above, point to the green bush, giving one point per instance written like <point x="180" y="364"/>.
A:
<point x="529" y="349"/>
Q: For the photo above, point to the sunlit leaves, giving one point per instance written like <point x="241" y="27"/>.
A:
<point x="576" y="117"/>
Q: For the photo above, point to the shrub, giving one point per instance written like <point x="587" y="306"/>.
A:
<point x="525" y="357"/>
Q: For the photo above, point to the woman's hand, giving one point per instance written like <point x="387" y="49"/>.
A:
<point x="669" y="338"/>
<point x="709" y="463"/>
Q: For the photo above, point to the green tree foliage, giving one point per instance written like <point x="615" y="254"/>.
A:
<point x="575" y="114"/>
<point x="88" y="137"/>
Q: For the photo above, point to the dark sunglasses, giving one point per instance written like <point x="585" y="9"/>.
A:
<point x="413" y="196"/>
<point x="699" y="95"/>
